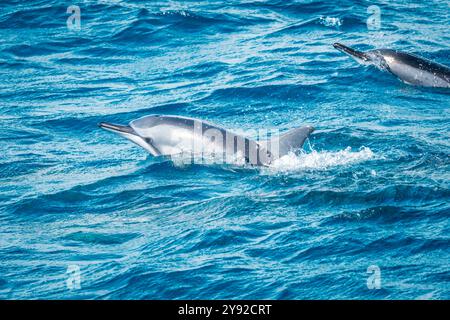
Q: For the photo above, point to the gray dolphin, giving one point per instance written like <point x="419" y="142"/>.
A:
<point x="407" y="67"/>
<point x="165" y="135"/>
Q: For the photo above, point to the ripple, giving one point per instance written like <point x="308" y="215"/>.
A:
<point x="99" y="238"/>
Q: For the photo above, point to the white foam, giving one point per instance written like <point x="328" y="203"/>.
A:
<point x="314" y="160"/>
<point x="321" y="160"/>
<point x="330" y="21"/>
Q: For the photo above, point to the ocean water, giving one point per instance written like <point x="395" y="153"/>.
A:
<point x="361" y="213"/>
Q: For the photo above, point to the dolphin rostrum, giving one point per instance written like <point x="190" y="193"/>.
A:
<point x="165" y="135"/>
<point x="407" y="67"/>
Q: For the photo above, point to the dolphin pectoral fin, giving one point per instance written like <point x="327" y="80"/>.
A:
<point x="116" y="128"/>
<point x="281" y="145"/>
<point x="357" y="55"/>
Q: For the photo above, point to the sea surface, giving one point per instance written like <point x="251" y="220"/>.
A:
<point x="362" y="212"/>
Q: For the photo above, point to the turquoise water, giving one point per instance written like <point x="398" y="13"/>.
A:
<point x="370" y="190"/>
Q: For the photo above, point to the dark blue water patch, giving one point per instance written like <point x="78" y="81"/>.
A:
<point x="87" y="62"/>
<point x="216" y="239"/>
<point x="188" y="21"/>
<point x="139" y="32"/>
<point x="3" y="284"/>
<point x="37" y="17"/>
<point x="156" y="28"/>
<point x="24" y="135"/>
<point x="99" y="238"/>
<point x="65" y="126"/>
<point x="46" y="48"/>
<point x="263" y="92"/>
<point x="342" y="137"/>
<point x="306" y="25"/>
<point x="21" y="65"/>
<point x="125" y="117"/>
<point x="268" y="225"/>
<point x="289" y="8"/>
<point x="207" y="69"/>
<point x="16" y="253"/>
<point x="409" y="245"/>
<point x="381" y="214"/>
<point x="389" y="194"/>
<point x="341" y="246"/>
<point x="23" y="167"/>
<point x="103" y="51"/>
<point x="441" y="277"/>
<point x="431" y="245"/>
<point x="441" y="56"/>
<point x="54" y="204"/>
<point x="228" y="287"/>
<point x="187" y="280"/>
<point x="28" y="51"/>
<point x="431" y="159"/>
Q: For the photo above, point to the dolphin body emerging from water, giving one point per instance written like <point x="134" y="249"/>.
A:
<point x="407" y="67"/>
<point x="163" y="135"/>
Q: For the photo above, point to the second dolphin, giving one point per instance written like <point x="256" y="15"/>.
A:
<point x="407" y="67"/>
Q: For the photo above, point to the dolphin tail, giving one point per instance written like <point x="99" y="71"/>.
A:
<point x="291" y="140"/>
<point x="355" y="54"/>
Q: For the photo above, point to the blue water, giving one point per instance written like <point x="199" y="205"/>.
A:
<point x="371" y="187"/>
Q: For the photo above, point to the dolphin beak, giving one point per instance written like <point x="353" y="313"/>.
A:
<point x="351" y="52"/>
<point x="128" y="133"/>
<point x="116" y="128"/>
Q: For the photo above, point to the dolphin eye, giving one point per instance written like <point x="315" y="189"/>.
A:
<point x="148" y="140"/>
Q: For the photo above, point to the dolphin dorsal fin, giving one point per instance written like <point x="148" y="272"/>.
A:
<point x="290" y="140"/>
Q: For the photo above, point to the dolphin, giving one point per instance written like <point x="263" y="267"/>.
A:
<point x="167" y="135"/>
<point x="409" y="68"/>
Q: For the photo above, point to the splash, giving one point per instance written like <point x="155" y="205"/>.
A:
<point x="330" y="21"/>
<point x="321" y="160"/>
<point x="315" y="160"/>
<point x="182" y="13"/>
